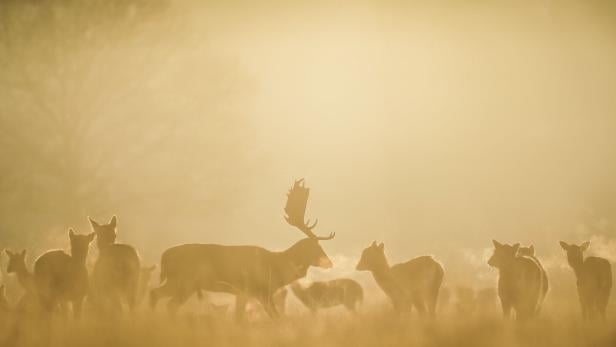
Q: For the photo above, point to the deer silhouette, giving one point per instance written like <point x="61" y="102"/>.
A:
<point x="245" y="271"/>
<point x="530" y="252"/>
<point x="594" y="279"/>
<point x="115" y="277"/>
<point x="17" y="265"/>
<point x="327" y="294"/>
<point x="414" y="283"/>
<point x="61" y="278"/>
<point x="519" y="282"/>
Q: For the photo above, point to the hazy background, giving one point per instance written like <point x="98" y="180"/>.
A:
<point x="431" y="126"/>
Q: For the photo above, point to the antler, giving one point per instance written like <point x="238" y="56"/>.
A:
<point x="297" y="199"/>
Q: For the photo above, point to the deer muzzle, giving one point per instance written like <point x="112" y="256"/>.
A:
<point x="325" y="263"/>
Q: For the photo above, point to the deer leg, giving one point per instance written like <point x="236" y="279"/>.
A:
<point x="270" y="308"/>
<point x="163" y="291"/>
<point x="506" y="309"/>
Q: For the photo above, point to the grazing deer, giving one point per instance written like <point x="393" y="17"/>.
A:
<point x="594" y="279"/>
<point x="519" y="282"/>
<point x="415" y="283"/>
<point x="530" y="252"/>
<point x="327" y="294"/>
<point x="245" y="271"/>
<point x="116" y="272"/>
<point x="61" y="278"/>
<point x="17" y="265"/>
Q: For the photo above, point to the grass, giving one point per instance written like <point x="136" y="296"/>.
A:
<point x="370" y="328"/>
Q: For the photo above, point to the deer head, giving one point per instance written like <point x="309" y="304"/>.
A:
<point x="80" y="244"/>
<point x="295" y="209"/>
<point x="372" y="258"/>
<point x="575" y="254"/>
<point x="17" y="261"/>
<point x="503" y="254"/>
<point x="526" y="251"/>
<point x="106" y="233"/>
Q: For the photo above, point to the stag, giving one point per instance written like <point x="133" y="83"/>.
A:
<point x="519" y="282"/>
<point x="325" y="294"/>
<point x="17" y="265"/>
<point x="115" y="277"/>
<point x="61" y="278"/>
<point x="594" y="279"/>
<point x="415" y="283"/>
<point x="244" y="271"/>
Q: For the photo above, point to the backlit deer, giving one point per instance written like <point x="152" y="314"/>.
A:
<point x="327" y="294"/>
<point x="245" y="271"/>
<point x="594" y="279"/>
<point x="414" y="283"/>
<point x="17" y="265"/>
<point x="520" y="282"/>
<point x="61" y="278"/>
<point x="115" y="277"/>
<point x="530" y="252"/>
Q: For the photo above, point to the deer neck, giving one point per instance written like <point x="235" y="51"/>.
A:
<point x="79" y="258"/>
<point x="577" y="268"/>
<point x="383" y="276"/>
<point x="291" y="266"/>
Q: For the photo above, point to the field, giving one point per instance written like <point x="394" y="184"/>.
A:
<point x="371" y="327"/>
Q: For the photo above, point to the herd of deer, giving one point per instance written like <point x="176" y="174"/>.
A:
<point x="254" y="273"/>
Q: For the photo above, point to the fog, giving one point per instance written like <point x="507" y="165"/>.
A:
<point x="432" y="127"/>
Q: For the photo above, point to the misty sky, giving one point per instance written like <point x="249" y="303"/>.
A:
<point x="432" y="128"/>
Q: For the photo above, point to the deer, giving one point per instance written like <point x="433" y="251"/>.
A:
<point x="17" y="265"/>
<point x="244" y="271"/>
<point x="530" y="252"/>
<point x="61" y="278"/>
<point x="594" y="280"/>
<point x="115" y="277"/>
<point x="519" y="282"/>
<point x="412" y="284"/>
<point x="325" y="294"/>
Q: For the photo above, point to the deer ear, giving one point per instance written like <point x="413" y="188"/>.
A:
<point x="71" y="233"/>
<point x="496" y="243"/>
<point x="381" y="247"/>
<point x="564" y="245"/>
<point x="8" y="252"/>
<point x="532" y="250"/>
<point x="23" y="253"/>
<point x="113" y="222"/>
<point x="585" y="246"/>
<point x="93" y="222"/>
<point x="373" y="244"/>
<point x="515" y="247"/>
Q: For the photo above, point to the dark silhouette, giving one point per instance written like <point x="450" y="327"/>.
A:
<point x="17" y="265"/>
<point x="245" y="271"/>
<point x="4" y="303"/>
<point x="594" y="279"/>
<point x="415" y="283"/>
<point x="530" y="252"/>
<point x="327" y="294"/>
<point x="520" y="281"/>
<point x="61" y="278"/>
<point x="115" y="277"/>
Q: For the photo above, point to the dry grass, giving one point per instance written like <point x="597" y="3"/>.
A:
<point x="371" y="328"/>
